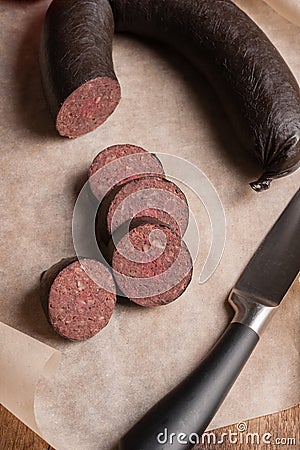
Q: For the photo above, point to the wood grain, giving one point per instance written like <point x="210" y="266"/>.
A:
<point x="14" y="435"/>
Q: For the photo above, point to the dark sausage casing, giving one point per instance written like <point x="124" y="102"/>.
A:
<point x="253" y="81"/>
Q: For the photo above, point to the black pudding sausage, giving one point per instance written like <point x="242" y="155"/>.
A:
<point x="255" y="85"/>
<point x="76" y="64"/>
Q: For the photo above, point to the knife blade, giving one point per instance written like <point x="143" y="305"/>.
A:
<point x="276" y="262"/>
<point x="176" y="421"/>
<point x="270" y="272"/>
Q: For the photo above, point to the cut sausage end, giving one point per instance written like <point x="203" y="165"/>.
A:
<point x="88" y="107"/>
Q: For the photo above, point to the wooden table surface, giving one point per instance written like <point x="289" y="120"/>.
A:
<point x="285" y="426"/>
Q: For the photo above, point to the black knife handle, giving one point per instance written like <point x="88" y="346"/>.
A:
<point x="189" y="408"/>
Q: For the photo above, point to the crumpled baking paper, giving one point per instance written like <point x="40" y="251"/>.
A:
<point x="104" y="385"/>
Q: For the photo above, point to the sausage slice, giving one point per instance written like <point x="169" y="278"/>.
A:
<point x="154" y="197"/>
<point x="152" y="265"/>
<point x="118" y="164"/>
<point x="76" y="305"/>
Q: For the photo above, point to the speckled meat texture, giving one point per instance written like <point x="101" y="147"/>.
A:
<point x="78" y="298"/>
<point x="79" y="82"/>
<point x="117" y="164"/>
<point x="151" y="265"/>
<point x="153" y="197"/>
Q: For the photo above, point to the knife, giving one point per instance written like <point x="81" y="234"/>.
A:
<point x="175" y="421"/>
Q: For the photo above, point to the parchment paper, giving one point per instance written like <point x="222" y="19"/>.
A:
<point x="23" y="360"/>
<point x="290" y="9"/>
<point x="105" y="384"/>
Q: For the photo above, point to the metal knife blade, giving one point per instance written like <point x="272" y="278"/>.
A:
<point x="276" y="262"/>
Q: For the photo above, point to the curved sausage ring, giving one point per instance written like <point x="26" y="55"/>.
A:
<point x="253" y="81"/>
